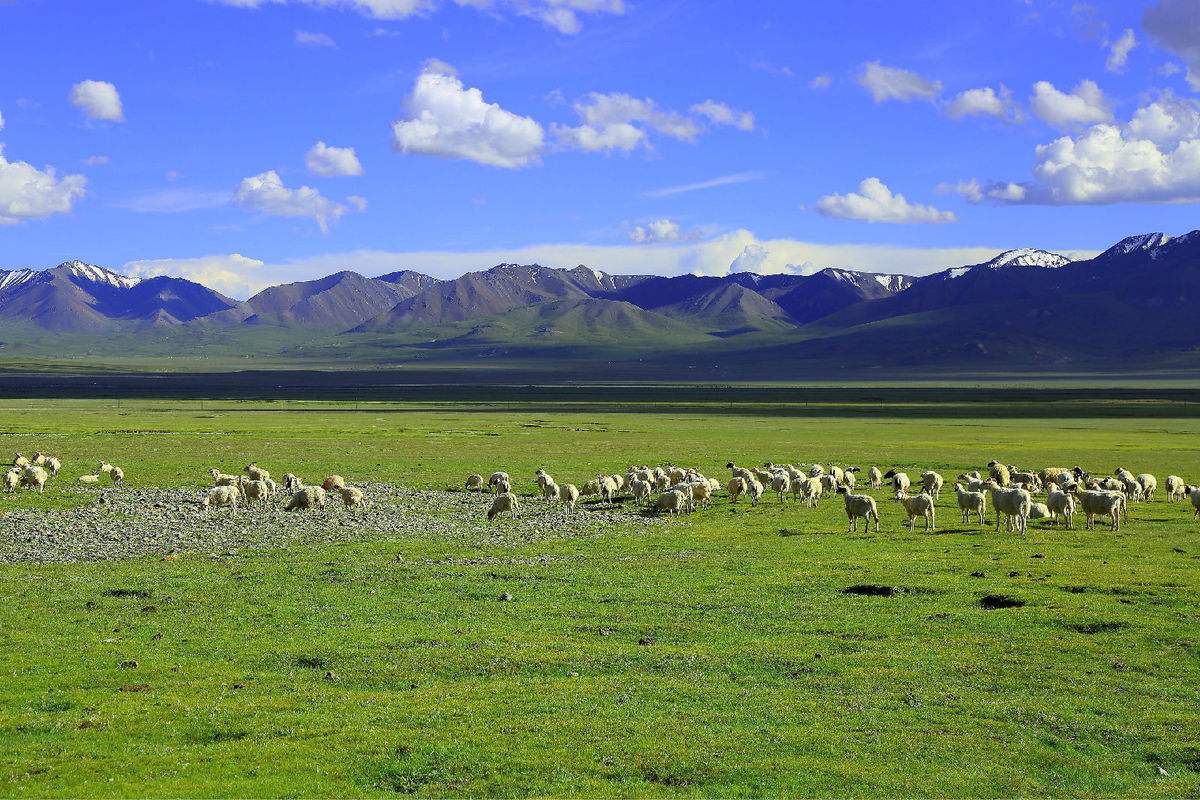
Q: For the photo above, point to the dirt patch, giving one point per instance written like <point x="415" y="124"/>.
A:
<point x="990" y="602"/>
<point x="873" y="590"/>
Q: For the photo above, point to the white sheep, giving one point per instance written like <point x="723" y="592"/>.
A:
<point x="755" y="491"/>
<point x="736" y="488"/>
<point x="999" y="473"/>
<point x="474" y="483"/>
<point x="292" y="484"/>
<point x="874" y="478"/>
<point x="860" y="505"/>
<point x="35" y="477"/>
<point x="20" y="461"/>
<point x="221" y="479"/>
<point x="1149" y="484"/>
<point x="813" y="489"/>
<point x="92" y="479"/>
<point x="256" y="473"/>
<point x="640" y="490"/>
<point x="1101" y="503"/>
<point x="1013" y="504"/>
<point x="969" y="501"/>
<point x="1176" y="488"/>
<point x="673" y="500"/>
<point x="307" y="497"/>
<point x="918" y="505"/>
<point x="502" y="486"/>
<point x="352" y="498"/>
<point x="12" y="479"/>
<point x="781" y="484"/>
<point x="848" y="479"/>
<point x="701" y="492"/>
<point x="252" y="490"/>
<point x="1193" y="494"/>
<point x="504" y="501"/>
<point x="115" y="474"/>
<point x="816" y="471"/>
<point x="1039" y="511"/>
<point x="549" y="488"/>
<point x="52" y="464"/>
<point x="1062" y="504"/>
<point x="931" y="484"/>
<point x="333" y="483"/>
<point x="608" y="488"/>
<point x="219" y="496"/>
<point x="495" y="479"/>
<point x="569" y="495"/>
<point x="900" y="481"/>
<point x="592" y="488"/>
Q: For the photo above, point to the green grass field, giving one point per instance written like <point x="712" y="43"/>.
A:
<point x="712" y="655"/>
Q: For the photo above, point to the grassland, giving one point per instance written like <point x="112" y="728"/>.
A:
<point x="714" y="655"/>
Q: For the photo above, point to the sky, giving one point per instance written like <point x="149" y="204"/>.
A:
<point x="249" y="142"/>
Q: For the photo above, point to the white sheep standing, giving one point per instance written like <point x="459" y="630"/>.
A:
<point x="569" y="495"/>
<point x="1176" y="488"/>
<point x="115" y="474"/>
<point x="640" y="490"/>
<point x="1062" y="504"/>
<point x="333" y="483"/>
<point x="1013" y="504"/>
<point x="673" y="500"/>
<point x="292" y="484"/>
<point x="20" y="461"/>
<point x="755" y="491"/>
<point x="1101" y="503"/>
<point x="701" y="491"/>
<point x="969" y="501"/>
<point x="918" y="505"/>
<point x="1193" y="494"/>
<point x="35" y="477"/>
<point x="252" y="490"/>
<point x="813" y="489"/>
<point x="307" y="497"/>
<point x="860" y="505"/>
<point x="353" y="498"/>
<point x="256" y="473"/>
<point x="900" y="481"/>
<point x="495" y="479"/>
<point x="52" y="464"/>
<point x="219" y="496"/>
<point x="549" y="488"/>
<point x="504" y="501"/>
<point x="12" y="479"/>
<point x="874" y="478"/>
<point x="931" y="484"/>
<point x="781" y="484"/>
<point x="1149" y="484"/>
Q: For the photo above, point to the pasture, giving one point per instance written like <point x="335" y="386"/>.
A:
<point x="718" y="653"/>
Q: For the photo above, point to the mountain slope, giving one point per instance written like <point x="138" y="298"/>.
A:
<point x="408" y="282"/>
<point x="335" y="302"/>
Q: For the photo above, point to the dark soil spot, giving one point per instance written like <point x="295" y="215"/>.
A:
<point x="1091" y="628"/>
<point x="218" y="736"/>
<point x="136" y="687"/>
<point x="977" y="574"/>
<point x="994" y="601"/>
<point x="141" y="594"/>
<point x="872" y="590"/>
<point x="312" y="662"/>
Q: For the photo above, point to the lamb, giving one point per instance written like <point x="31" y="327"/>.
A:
<point x="504" y="501"/>
<point x="1100" y="503"/>
<point x="641" y="490"/>
<point x="221" y="496"/>
<point x="781" y="484"/>
<point x="474" y="483"/>
<point x="969" y="501"/>
<point x="736" y="488"/>
<point x="860" y="505"/>
<point x="569" y="496"/>
<point x="253" y="490"/>
<point x="931" y="484"/>
<point x="1176" y="489"/>
<point x="1039" y="511"/>
<point x="93" y="478"/>
<point x="1014" y="504"/>
<point x="292" y="484"/>
<point x="333" y="483"/>
<point x="353" y="498"/>
<point x="920" y="505"/>
<point x="12" y="479"/>
<point x="308" y="497"/>
<point x="256" y="473"/>
<point x="1062" y="504"/>
<point x="755" y="491"/>
<point x="1149" y="484"/>
<point x="874" y="478"/>
<point x="495" y="479"/>
<point x="999" y="473"/>
<point x="672" y="500"/>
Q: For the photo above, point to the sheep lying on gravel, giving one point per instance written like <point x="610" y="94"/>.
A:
<point x="35" y="477"/>
<point x="308" y="497"/>
<point x="12" y="479"/>
<point x="569" y="495"/>
<point x="1013" y="504"/>
<point x="1176" y="489"/>
<point x="920" y="505"/>
<point x="219" y="496"/>
<point x="969" y="501"/>
<point x="860" y="505"/>
<point x="504" y="501"/>
<point x="353" y="498"/>
<point x="1102" y="503"/>
<point x="333" y="483"/>
<point x="1062" y="504"/>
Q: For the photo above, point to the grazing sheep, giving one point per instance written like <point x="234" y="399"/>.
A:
<point x="931" y="484"/>
<point x="221" y="479"/>
<point x="848" y="479"/>
<point x="503" y="486"/>
<point x="495" y="479"/>
<point x="549" y="490"/>
<point x="253" y="490"/>
<point x="221" y="496"/>
<point x="115" y="474"/>
<point x="569" y="496"/>
<point x="1176" y="489"/>
<point x="755" y="491"/>
<point x="1149" y="484"/>
<point x="272" y="488"/>
<point x="50" y="463"/>
<point x="35" y="477"/>
<point x="542" y="477"/>
<point x="702" y="492"/>
<point x="12" y="479"/>
<point x="969" y="501"/>
<point x="292" y="484"/>
<point x="1193" y="494"/>
<point x="859" y="505"/>
<point x="308" y="497"/>
<point x="1013" y="504"/>
<point x="900" y="482"/>
<point x="1102" y="503"/>
<point x="813" y="489"/>
<point x="999" y="473"/>
<point x="93" y="478"/>
<point x="333" y="483"/>
<point x="1062" y="504"/>
<point x="874" y="478"/>
<point x="781" y="484"/>
<point x="20" y="461"/>
<point x="641" y="490"/>
<point x="920" y="505"/>
<point x="353" y="498"/>
<point x="828" y="483"/>
<point x="673" y="500"/>
<point x="736" y="488"/>
<point x="474" y="483"/>
<point x="256" y="473"/>
<point x="1049" y="475"/>
<point x="504" y="501"/>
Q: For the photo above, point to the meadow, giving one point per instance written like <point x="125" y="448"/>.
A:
<point x="714" y="654"/>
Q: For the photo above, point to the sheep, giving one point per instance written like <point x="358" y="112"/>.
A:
<point x="333" y="483"/>
<point x="256" y="473"/>
<point x="272" y="488"/>
<point x="92" y="478"/>
<point x="550" y="490"/>
<point x="51" y="464"/>
<point x="542" y="477"/>
<point x="252" y="490"/>
<point x="848" y="479"/>
<point x="569" y="496"/>
<point x="900" y="482"/>
<point x="781" y="484"/>
<point x="816" y="471"/>
<point x="1062" y="504"/>
<point x="620" y="482"/>
<point x="920" y="505"/>
<point x="1049" y="475"/>
<point x="20" y="461"/>
<point x="115" y="474"/>
<point x="641" y="490"/>
<point x="672" y="500"/>
<point x="608" y="488"/>
<point x="736" y="488"/>
<point x="702" y="492"/>
<point x="966" y="477"/>
<point x="969" y="501"/>
<point x="474" y="483"/>
<point x="1193" y="494"/>
<point x="503" y="486"/>
<point x="504" y="501"/>
<point x="1100" y="503"/>
<point x="755" y="491"/>
<point x="292" y="484"/>
<point x="813" y="489"/>
<point x="828" y="483"/>
<point x="219" y="496"/>
<point x="12" y="479"/>
<point x="352" y="498"/>
<point x="221" y="479"/>
<point x="874" y="478"/>
<point x="931" y="484"/>
<point x="1176" y="489"/>
<point x="308" y="497"/>
<point x="999" y="474"/>
<point x="1013" y="504"/>
<point x="592" y="487"/>
<point x="495" y="479"/>
<point x="34" y="477"/>
<point x="1149" y="484"/>
<point x="1023" y="477"/>
<point x="859" y="505"/>
<point x="838" y="474"/>
<point x="1129" y="483"/>
<point x="1039" y="511"/>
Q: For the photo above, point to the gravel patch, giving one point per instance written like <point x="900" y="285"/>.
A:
<point x="130" y="523"/>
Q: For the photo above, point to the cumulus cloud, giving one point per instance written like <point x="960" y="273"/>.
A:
<point x="235" y="275"/>
<point x="265" y="192"/>
<point x="893" y="83"/>
<point x="29" y="193"/>
<point x="984" y="101"/>
<point x="314" y="39"/>
<point x="1007" y="192"/>
<point x="98" y="100"/>
<point x="969" y="190"/>
<point x="721" y="114"/>
<point x="1086" y="105"/>
<point x="619" y="121"/>
<point x="444" y="118"/>
<point x="330" y="162"/>
<point x="1118" y="51"/>
<point x="655" y="232"/>
<point x="875" y="202"/>
<point x="1174" y="25"/>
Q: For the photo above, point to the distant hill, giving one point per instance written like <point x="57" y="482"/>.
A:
<point x="336" y="302"/>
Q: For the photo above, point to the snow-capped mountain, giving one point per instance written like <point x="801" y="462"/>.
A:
<point x="1027" y="257"/>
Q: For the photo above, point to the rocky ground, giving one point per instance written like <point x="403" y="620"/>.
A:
<point x="128" y="523"/>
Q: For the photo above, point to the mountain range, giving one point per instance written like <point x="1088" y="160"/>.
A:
<point x="1131" y="307"/>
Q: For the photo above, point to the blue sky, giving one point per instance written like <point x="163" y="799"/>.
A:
<point x="632" y="136"/>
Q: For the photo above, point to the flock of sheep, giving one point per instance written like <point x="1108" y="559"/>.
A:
<point x="1012" y="491"/>
<point x="35" y="473"/>
<point x="254" y="485"/>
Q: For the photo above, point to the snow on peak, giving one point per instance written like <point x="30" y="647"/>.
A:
<point x="893" y="283"/>
<point x="957" y="272"/>
<point x="90" y="272"/>
<point x="14" y="278"/>
<point x="1133" y="244"/>
<point x="1028" y="257"/>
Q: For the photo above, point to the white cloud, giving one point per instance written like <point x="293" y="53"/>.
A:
<point x="314" y="39"/>
<point x="235" y="275"/>
<point x="616" y="136"/>
<point x="984" y="101"/>
<point x="98" y="100"/>
<point x="969" y="190"/>
<point x="1086" y="105"/>
<point x="29" y="193"/>
<point x="655" y="232"/>
<point x="1175" y="26"/>
<point x="822" y="81"/>
<point x="265" y="192"/>
<point x="444" y="118"/>
<point x="875" y="202"/>
<point x="1118" y="53"/>
<point x="96" y="161"/>
<point x="620" y="121"/>
<point x="1169" y="68"/>
<point x="1007" y="192"/>
<point x="357" y="202"/>
<point x="711" y="183"/>
<point x="330" y="162"/>
<point x="721" y="114"/>
<point x="893" y="83"/>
